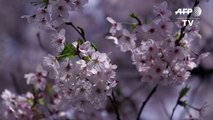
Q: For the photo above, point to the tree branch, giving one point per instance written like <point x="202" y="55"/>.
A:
<point x="145" y="102"/>
<point x="114" y="104"/>
<point x="173" y="110"/>
<point x="77" y="29"/>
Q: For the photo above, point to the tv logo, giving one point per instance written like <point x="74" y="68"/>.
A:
<point x="196" y="12"/>
<point x="183" y="11"/>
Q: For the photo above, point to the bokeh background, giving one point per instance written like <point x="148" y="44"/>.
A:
<point x="20" y="53"/>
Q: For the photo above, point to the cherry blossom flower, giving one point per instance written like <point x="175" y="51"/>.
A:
<point x="37" y="79"/>
<point x="67" y="71"/>
<point x="97" y="60"/>
<point x="86" y="49"/>
<point x="59" y="40"/>
<point x="126" y="42"/>
<point x="162" y="11"/>
<point x="166" y="27"/>
<point x="151" y="31"/>
<point x="39" y="15"/>
<point x="83" y="69"/>
<point x="51" y="65"/>
<point x="116" y="26"/>
<point x="158" y="31"/>
<point x="7" y="96"/>
<point x="60" y="9"/>
<point x="43" y="13"/>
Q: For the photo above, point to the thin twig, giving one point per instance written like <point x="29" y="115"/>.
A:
<point x="128" y="98"/>
<point x="194" y="95"/>
<point x="114" y="104"/>
<point x="77" y="29"/>
<point x="173" y="110"/>
<point x="145" y="102"/>
<point x="136" y="18"/>
<point x="131" y="102"/>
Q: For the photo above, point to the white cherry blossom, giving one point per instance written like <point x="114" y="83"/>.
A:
<point x="86" y="49"/>
<point x="60" y="10"/>
<point x="116" y="26"/>
<point x="127" y="41"/>
<point x="51" y="65"/>
<point x="162" y="10"/>
<point x="37" y="79"/>
<point x="59" y="40"/>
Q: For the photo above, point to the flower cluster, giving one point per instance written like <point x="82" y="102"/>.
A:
<point x="162" y="56"/>
<point x="86" y="81"/>
<point x="167" y="66"/>
<point x="30" y="106"/>
<point x="83" y="77"/>
<point x="53" y="13"/>
<point x="17" y="106"/>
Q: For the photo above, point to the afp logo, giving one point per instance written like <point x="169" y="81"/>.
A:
<point x="196" y="12"/>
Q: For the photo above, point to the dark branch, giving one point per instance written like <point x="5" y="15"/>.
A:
<point x="77" y="29"/>
<point x="145" y="102"/>
<point x="115" y="105"/>
<point x="173" y="110"/>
